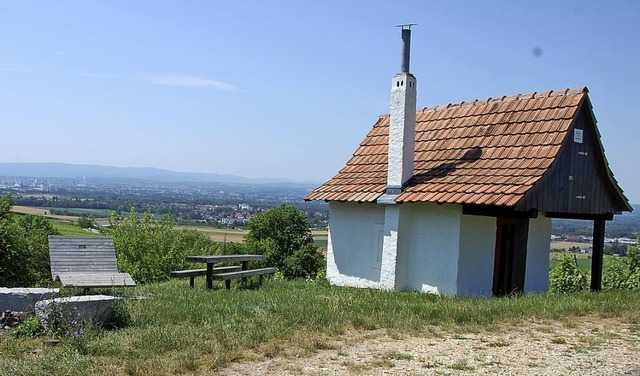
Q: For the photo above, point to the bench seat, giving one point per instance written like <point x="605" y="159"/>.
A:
<point x="95" y="280"/>
<point x="228" y="276"/>
<point x="192" y="273"/>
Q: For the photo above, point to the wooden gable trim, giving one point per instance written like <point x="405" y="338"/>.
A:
<point x="604" y="163"/>
<point x="579" y="181"/>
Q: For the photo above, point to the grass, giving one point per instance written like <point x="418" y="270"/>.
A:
<point x="399" y="356"/>
<point x="178" y="330"/>
<point x="69" y="229"/>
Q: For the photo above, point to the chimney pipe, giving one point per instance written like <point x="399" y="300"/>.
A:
<point x="406" y="50"/>
<point x="406" y="47"/>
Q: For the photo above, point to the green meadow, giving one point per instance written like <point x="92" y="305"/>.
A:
<point x="171" y="329"/>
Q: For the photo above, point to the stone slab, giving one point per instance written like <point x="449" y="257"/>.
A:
<point x="95" y="309"/>
<point x="24" y="299"/>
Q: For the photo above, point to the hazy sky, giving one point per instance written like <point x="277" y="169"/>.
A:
<point x="288" y="89"/>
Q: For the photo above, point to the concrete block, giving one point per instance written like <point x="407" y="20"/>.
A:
<point x="24" y="299"/>
<point x="95" y="309"/>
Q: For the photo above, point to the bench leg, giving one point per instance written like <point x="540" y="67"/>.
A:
<point x="260" y="283"/>
<point x="227" y="284"/>
<point x="209" y="273"/>
<point x="191" y="281"/>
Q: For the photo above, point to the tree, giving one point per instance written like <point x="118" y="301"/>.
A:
<point x="283" y="236"/>
<point x="35" y="231"/>
<point x="24" y="253"/>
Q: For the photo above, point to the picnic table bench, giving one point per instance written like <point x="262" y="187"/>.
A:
<point x="192" y="273"/>
<point x="218" y="272"/>
<point x="227" y="277"/>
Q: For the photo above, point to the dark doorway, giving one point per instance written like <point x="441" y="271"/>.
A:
<point x="511" y="256"/>
<point x="505" y="243"/>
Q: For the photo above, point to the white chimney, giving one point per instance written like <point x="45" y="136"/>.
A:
<point x="402" y="128"/>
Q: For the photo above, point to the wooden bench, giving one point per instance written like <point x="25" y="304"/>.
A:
<point x="228" y="276"/>
<point x="192" y="273"/>
<point x="86" y="262"/>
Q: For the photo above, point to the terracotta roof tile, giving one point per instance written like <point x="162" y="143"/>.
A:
<point x="485" y="152"/>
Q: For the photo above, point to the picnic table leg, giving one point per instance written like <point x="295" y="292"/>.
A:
<point x="245" y="266"/>
<point x="209" y="273"/>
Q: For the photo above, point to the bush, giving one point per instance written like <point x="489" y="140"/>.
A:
<point x="614" y="275"/>
<point x="24" y="248"/>
<point x="304" y="262"/>
<point x="283" y="235"/>
<point x="623" y="274"/>
<point x="566" y="277"/>
<point x="150" y="249"/>
<point x="87" y="222"/>
<point x="617" y="274"/>
<point x="30" y="328"/>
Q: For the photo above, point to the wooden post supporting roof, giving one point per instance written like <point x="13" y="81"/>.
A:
<point x="597" y="255"/>
<point x="520" y="255"/>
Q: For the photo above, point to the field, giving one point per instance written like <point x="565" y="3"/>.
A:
<point x="42" y="211"/>
<point x="219" y="234"/>
<point x="567" y="245"/>
<point x="237" y="236"/>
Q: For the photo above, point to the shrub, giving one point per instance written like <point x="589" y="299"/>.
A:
<point x="150" y="249"/>
<point x="617" y="274"/>
<point x="622" y="274"/>
<point x="566" y="276"/>
<point x="29" y="328"/>
<point x="633" y="265"/>
<point x="87" y="222"/>
<point x="304" y="262"/>
<point x="283" y="235"/>
<point x="614" y="275"/>
<point x="24" y="253"/>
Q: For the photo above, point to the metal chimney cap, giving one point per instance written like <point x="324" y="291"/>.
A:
<point x="406" y="26"/>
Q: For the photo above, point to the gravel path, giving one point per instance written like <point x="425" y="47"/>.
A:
<point x="584" y="346"/>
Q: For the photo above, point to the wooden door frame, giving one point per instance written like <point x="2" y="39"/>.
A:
<point x="513" y="269"/>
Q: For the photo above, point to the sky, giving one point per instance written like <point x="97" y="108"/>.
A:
<point x="288" y="89"/>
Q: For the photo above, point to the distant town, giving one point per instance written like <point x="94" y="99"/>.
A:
<point x="231" y="205"/>
<point x="217" y="204"/>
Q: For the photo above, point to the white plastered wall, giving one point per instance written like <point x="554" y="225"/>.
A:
<point x="477" y="254"/>
<point x="354" y="248"/>
<point x="429" y="241"/>
<point x="440" y="250"/>
<point x="538" y="244"/>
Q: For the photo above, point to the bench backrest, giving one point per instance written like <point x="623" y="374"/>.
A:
<point x="82" y="254"/>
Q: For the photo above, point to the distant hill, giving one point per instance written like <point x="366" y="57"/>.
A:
<point x="67" y="170"/>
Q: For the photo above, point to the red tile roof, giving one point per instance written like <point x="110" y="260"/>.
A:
<point x="485" y="152"/>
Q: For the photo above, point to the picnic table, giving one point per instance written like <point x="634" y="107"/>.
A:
<point x="226" y="259"/>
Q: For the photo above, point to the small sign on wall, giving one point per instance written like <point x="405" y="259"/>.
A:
<point x="577" y="135"/>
